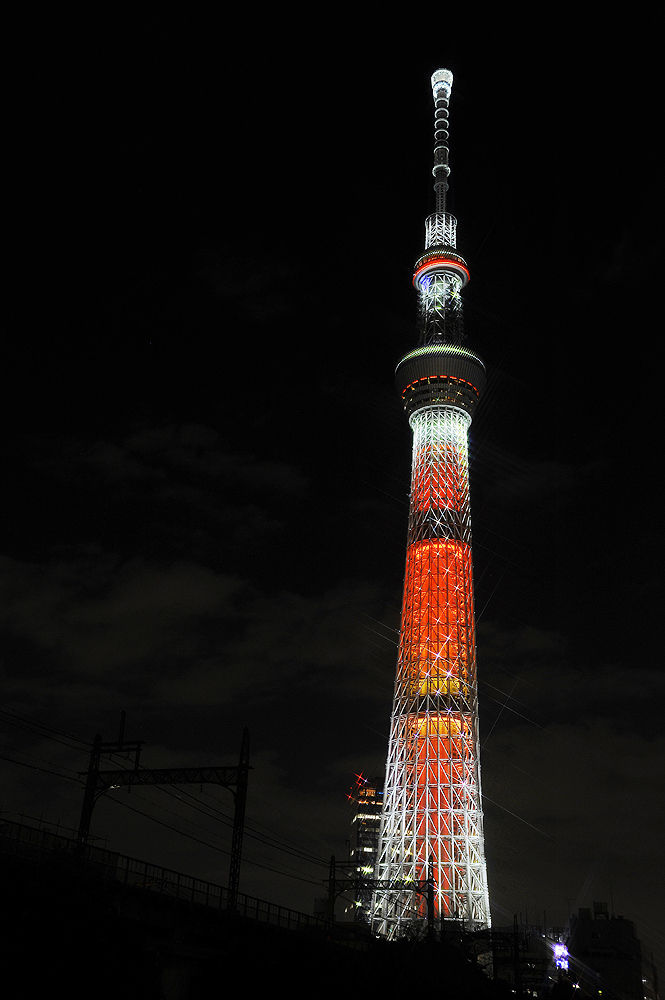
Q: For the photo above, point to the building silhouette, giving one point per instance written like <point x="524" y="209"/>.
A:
<point x="605" y="954"/>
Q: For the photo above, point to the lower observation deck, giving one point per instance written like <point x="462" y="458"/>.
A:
<point x="440" y="374"/>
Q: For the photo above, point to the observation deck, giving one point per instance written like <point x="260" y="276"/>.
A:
<point x="441" y="260"/>
<point x="440" y="375"/>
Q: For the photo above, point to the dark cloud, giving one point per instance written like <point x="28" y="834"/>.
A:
<point x="102" y="616"/>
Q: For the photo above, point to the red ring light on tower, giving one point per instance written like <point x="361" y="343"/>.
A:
<point x="444" y="264"/>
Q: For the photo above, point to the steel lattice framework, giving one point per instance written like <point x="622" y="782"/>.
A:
<point x="432" y="826"/>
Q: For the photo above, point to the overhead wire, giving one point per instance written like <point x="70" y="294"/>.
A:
<point x="36" y="767"/>
<point x="43" y="729"/>
<point x="74" y="742"/>
<point x="205" y="843"/>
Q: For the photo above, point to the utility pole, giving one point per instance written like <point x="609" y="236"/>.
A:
<point x="239" y="802"/>
<point x="430" y="898"/>
<point x="94" y="786"/>
<point x="517" y="968"/>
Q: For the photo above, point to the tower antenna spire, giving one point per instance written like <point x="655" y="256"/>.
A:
<point x="440" y="272"/>
<point x="442" y="82"/>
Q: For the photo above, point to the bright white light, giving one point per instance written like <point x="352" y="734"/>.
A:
<point x="560" y="956"/>
<point x="442" y="80"/>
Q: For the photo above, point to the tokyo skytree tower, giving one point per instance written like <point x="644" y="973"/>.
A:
<point x="431" y="833"/>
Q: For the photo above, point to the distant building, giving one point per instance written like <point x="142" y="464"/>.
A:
<point x="367" y="795"/>
<point x="605" y="954"/>
<point x="596" y="957"/>
<point x="531" y="960"/>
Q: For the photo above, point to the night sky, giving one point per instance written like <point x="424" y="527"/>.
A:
<point x="207" y="468"/>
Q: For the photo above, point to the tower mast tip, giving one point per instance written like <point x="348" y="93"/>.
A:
<point x="442" y="79"/>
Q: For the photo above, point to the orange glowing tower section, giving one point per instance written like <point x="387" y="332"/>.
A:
<point x="431" y="849"/>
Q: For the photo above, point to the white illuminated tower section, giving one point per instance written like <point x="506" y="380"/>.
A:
<point x="432" y="821"/>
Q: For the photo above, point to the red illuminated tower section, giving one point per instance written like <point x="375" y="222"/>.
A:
<point x="431" y="826"/>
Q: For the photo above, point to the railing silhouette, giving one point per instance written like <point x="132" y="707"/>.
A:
<point x="36" y="845"/>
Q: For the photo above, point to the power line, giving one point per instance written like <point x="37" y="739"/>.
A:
<point x="70" y="740"/>
<point x="213" y="847"/>
<point x="42" y="729"/>
<point x="44" y="770"/>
